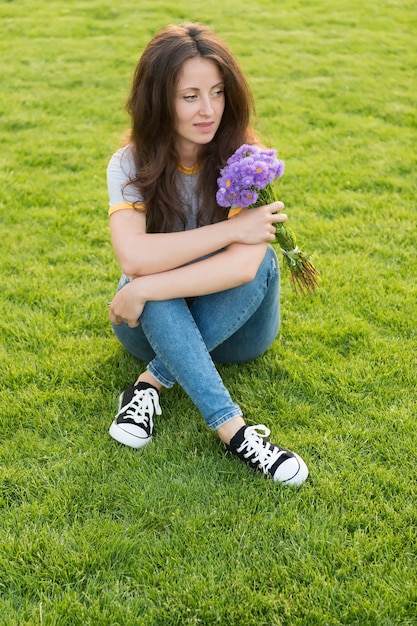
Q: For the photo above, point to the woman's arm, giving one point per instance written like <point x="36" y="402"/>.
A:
<point x="140" y="253"/>
<point x="233" y="266"/>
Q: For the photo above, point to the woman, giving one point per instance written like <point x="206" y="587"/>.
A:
<point x="197" y="288"/>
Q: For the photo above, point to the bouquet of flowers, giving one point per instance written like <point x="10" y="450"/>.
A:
<point x="246" y="181"/>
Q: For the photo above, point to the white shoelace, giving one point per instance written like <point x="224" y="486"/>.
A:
<point x="143" y="405"/>
<point x="257" y="450"/>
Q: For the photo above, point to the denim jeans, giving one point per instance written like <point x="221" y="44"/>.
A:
<point x="181" y="342"/>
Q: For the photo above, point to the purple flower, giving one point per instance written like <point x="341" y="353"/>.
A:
<point x="247" y="179"/>
<point x="247" y="171"/>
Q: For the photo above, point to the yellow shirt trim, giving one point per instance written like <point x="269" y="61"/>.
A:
<point x="235" y="211"/>
<point x="188" y="170"/>
<point x="123" y="206"/>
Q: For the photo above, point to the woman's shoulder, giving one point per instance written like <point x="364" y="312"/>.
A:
<point x="123" y="157"/>
<point x="121" y="168"/>
<point x="121" y="172"/>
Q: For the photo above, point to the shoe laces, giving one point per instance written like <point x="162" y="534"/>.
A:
<point x="257" y="451"/>
<point x="143" y="405"/>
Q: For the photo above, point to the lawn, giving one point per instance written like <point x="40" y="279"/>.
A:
<point x="92" y="533"/>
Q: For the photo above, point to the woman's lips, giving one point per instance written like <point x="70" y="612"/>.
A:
<point x="204" y="125"/>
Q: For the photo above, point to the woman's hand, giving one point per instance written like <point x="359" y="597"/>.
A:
<point x="127" y="305"/>
<point x="258" y="225"/>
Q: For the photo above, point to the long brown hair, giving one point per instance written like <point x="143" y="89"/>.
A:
<point x="151" y="108"/>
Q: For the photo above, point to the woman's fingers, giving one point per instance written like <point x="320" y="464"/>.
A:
<point x="114" y="319"/>
<point x="279" y="217"/>
<point x="276" y="208"/>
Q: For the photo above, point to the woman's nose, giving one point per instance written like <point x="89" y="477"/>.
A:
<point x="206" y="107"/>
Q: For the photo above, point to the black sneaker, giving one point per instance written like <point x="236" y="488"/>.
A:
<point x="282" y="465"/>
<point x="133" y="424"/>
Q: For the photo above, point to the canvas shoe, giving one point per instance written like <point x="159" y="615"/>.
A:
<point x="133" y="424"/>
<point x="282" y="465"/>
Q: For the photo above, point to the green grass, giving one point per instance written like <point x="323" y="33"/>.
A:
<point x="95" y="534"/>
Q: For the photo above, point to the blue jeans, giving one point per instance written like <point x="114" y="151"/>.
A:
<point x="182" y="341"/>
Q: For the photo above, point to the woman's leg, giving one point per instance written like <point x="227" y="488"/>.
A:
<point x="182" y="339"/>
<point x="182" y="356"/>
<point x="237" y="325"/>
<point x="240" y="324"/>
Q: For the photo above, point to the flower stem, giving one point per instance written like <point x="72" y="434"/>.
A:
<point x="304" y="276"/>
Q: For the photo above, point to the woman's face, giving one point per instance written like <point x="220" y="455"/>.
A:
<point x="199" y="106"/>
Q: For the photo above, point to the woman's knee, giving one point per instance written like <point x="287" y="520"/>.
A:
<point x="135" y="342"/>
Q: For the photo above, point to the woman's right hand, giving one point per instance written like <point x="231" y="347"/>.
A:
<point x="257" y="225"/>
<point x="127" y="304"/>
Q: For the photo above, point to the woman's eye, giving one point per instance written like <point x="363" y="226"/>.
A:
<point x="190" y="98"/>
<point x="218" y="93"/>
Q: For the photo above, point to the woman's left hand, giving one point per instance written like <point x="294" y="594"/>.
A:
<point x="127" y="305"/>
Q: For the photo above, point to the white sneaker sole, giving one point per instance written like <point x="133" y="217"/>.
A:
<point x="126" y="438"/>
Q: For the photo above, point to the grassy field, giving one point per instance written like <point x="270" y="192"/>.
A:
<point x="95" y="534"/>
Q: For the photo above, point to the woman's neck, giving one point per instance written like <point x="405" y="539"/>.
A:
<point x="189" y="164"/>
<point x="188" y="156"/>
